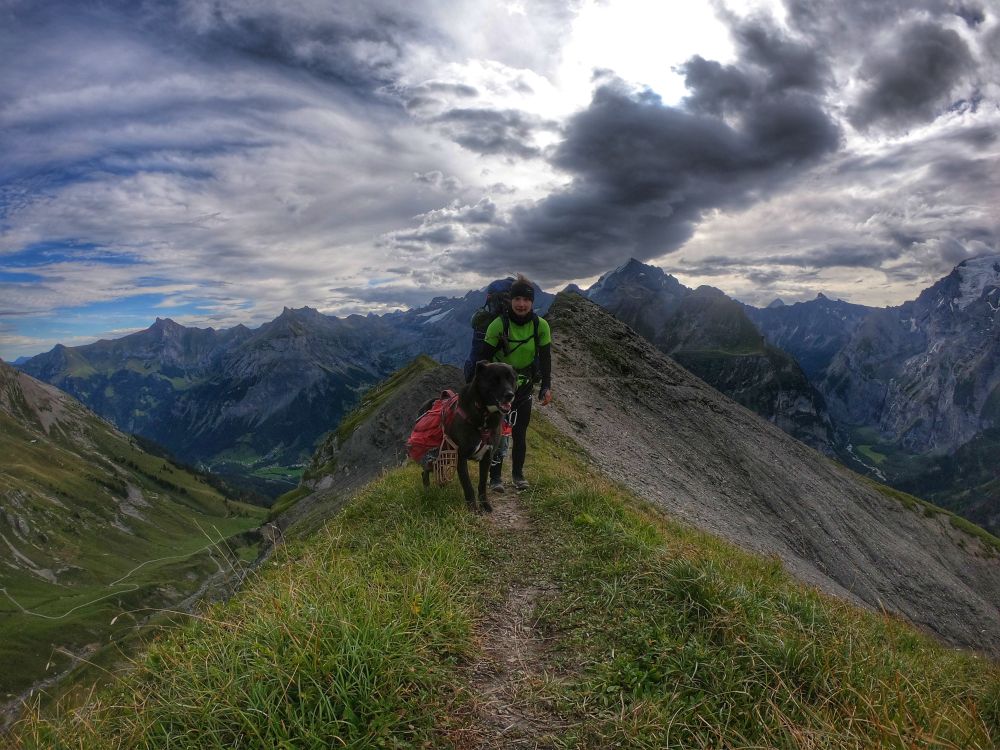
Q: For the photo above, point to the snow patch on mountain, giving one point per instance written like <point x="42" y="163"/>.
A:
<point x="976" y="275"/>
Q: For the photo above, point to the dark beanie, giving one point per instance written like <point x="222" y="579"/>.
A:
<point x="522" y="289"/>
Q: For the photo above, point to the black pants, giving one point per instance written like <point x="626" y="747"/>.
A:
<point x="520" y="416"/>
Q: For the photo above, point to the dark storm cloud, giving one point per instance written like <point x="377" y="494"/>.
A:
<point x="716" y="88"/>
<point x="356" y="55"/>
<point x="427" y="99"/>
<point x="844" y="255"/>
<point x="850" y="24"/>
<point x="433" y="88"/>
<point x="788" y="63"/>
<point x="644" y="173"/>
<point x="914" y="80"/>
<point x="764" y="277"/>
<point x="837" y="255"/>
<point x="959" y="170"/>
<point x="973" y="15"/>
<point x="437" y="179"/>
<point x="490" y="131"/>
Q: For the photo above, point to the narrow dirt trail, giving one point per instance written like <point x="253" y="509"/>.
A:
<point x="512" y="649"/>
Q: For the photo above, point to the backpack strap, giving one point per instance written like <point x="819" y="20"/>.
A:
<point x="505" y="336"/>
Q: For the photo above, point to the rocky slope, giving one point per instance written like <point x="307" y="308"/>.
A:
<point x="686" y="447"/>
<point x="91" y="527"/>
<point x="711" y="335"/>
<point x="674" y="440"/>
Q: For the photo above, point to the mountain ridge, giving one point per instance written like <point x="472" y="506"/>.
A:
<point x="711" y="335"/>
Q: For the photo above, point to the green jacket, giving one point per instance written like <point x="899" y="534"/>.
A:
<point x="520" y="350"/>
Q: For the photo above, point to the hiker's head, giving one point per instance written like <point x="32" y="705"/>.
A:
<point x="522" y="296"/>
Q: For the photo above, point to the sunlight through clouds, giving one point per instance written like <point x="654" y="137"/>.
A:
<point x="256" y="156"/>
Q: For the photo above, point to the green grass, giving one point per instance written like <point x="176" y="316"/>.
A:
<point x="913" y="503"/>
<point x="652" y="635"/>
<point x="69" y="492"/>
<point x="869" y="452"/>
<point x="287" y="473"/>
<point x="288" y="500"/>
<point x="378" y="394"/>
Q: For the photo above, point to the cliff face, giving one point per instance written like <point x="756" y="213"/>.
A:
<point x="926" y="374"/>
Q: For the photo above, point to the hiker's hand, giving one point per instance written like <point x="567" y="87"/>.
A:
<point x="546" y="397"/>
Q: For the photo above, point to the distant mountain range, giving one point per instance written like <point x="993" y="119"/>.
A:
<point x="244" y="403"/>
<point x="896" y="392"/>
<point x="813" y="332"/>
<point x="91" y="527"/>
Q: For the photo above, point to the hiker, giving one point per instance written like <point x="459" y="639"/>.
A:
<point x="523" y="340"/>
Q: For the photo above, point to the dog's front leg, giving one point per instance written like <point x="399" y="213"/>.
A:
<point x="484" y="471"/>
<point x="463" y="477"/>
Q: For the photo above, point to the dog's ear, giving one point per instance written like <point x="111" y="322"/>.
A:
<point x="481" y="364"/>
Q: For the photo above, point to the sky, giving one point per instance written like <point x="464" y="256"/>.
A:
<point x="214" y="161"/>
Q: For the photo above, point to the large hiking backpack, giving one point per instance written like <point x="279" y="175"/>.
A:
<point x="497" y="304"/>
<point x="428" y="432"/>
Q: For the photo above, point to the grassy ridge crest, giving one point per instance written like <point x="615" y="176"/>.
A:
<point x="654" y="636"/>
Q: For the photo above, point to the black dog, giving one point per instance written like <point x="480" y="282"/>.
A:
<point x="474" y="425"/>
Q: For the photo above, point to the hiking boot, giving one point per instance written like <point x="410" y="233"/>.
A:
<point x="496" y="486"/>
<point x="521" y="484"/>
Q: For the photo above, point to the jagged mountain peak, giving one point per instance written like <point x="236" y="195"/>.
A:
<point x="633" y="268"/>
<point x="634" y="278"/>
<point x="300" y="313"/>
<point x="709" y="292"/>
<point x="966" y="284"/>
<point x="777" y="302"/>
